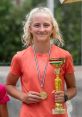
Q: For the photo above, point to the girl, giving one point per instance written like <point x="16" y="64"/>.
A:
<point x="3" y="101"/>
<point x="36" y="73"/>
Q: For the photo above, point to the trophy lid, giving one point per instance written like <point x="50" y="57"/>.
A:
<point x="57" y="61"/>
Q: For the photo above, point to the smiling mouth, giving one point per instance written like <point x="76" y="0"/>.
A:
<point x="42" y="34"/>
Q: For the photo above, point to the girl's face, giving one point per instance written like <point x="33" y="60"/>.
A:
<point x="41" y="27"/>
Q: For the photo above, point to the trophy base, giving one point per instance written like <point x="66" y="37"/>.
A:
<point x="58" y="111"/>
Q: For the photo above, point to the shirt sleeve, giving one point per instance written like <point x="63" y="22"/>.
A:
<point x="15" y="67"/>
<point x="69" y="67"/>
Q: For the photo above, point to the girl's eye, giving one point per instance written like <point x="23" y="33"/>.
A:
<point x="37" y="25"/>
<point x="46" y="25"/>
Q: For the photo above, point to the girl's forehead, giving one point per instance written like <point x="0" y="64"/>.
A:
<point x="41" y="15"/>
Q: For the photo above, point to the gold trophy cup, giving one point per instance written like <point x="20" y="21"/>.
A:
<point x="57" y="64"/>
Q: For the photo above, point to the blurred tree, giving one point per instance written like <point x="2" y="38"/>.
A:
<point x="69" y="18"/>
<point x="11" y="27"/>
<point x="4" y="27"/>
<point x="11" y="18"/>
<point x="9" y="30"/>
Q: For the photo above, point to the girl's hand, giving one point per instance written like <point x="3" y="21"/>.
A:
<point x="31" y="97"/>
<point x="59" y="96"/>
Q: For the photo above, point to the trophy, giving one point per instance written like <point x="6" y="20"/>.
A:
<point x="57" y="64"/>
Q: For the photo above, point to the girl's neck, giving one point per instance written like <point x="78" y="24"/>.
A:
<point x="41" y="47"/>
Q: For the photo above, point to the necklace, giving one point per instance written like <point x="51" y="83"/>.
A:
<point x="43" y="94"/>
<point x="41" y="80"/>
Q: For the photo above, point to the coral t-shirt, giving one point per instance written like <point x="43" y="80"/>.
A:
<point x="23" y="65"/>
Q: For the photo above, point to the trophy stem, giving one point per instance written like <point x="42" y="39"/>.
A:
<point x="58" y="83"/>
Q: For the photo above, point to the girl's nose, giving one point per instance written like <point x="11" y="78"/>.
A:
<point x="42" y="28"/>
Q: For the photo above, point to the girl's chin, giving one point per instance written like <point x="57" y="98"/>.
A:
<point x="42" y="38"/>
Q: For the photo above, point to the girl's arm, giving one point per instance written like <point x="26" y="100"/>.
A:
<point x="11" y="86"/>
<point x="71" y="85"/>
<point x="3" y="110"/>
<point x="29" y="97"/>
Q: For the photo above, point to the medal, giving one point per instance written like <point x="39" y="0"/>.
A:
<point x="44" y="95"/>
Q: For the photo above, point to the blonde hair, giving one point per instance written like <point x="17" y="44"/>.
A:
<point x="27" y="38"/>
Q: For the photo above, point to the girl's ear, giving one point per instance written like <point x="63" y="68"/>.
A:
<point x="53" y="35"/>
<point x="29" y="29"/>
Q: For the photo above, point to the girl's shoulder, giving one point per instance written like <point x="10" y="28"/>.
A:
<point x="23" y="52"/>
<point x="61" y="51"/>
<point x="2" y="91"/>
<point x="2" y="87"/>
<point x="3" y="94"/>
